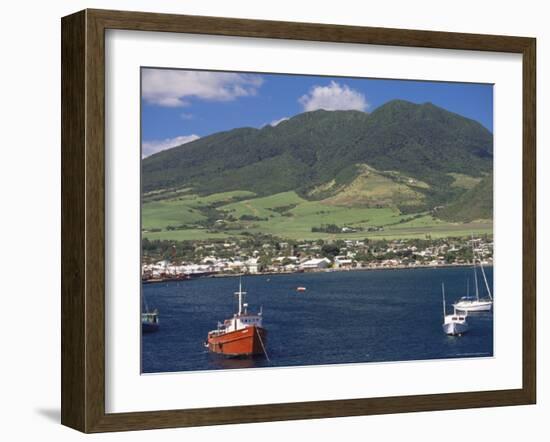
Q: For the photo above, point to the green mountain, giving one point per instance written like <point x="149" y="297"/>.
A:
<point x="416" y="148"/>
<point x="476" y="203"/>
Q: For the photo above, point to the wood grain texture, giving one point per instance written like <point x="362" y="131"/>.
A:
<point x="529" y="221"/>
<point x="95" y="221"/>
<point x="83" y="220"/>
<point x="144" y="21"/>
<point x="73" y="253"/>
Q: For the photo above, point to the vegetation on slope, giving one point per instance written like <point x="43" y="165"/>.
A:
<point x="475" y="204"/>
<point x="419" y="157"/>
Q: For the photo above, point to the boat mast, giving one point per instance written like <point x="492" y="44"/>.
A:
<point x="145" y="303"/>
<point x="485" y="279"/>
<point x="240" y="293"/>
<point x="443" y="293"/>
<point x="475" y="272"/>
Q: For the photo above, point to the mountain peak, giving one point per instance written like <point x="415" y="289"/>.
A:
<point x="404" y="105"/>
<point x="421" y="141"/>
<point x="323" y="113"/>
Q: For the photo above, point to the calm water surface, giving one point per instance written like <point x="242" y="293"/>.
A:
<point x="343" y="317"/>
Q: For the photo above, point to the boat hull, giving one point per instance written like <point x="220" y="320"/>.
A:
<point x="244" y="342"/>
<point x="455" y="328"/>
<point x="474" y="306"/>
<point x="149" y="327"/>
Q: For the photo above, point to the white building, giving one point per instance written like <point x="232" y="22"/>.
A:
<point x="315" y="264"/>
<point x="342" y="261"/>
<point x="252" y="265"/>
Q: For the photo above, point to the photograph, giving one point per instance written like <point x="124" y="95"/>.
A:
<point x="244" y="220"/>
<point x="300" y="220"/>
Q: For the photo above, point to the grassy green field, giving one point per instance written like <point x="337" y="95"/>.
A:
<point x="287" y="215"/>
<point x="375" y="188"/>
<point x="159" y="214"/>
<point x="186" y="209"/>
<point x="263" y="207"/>
<point x="187" y="235"/>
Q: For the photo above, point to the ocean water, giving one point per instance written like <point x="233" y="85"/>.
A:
<point x="343" y="317"/>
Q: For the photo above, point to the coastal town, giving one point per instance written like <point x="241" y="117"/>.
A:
<point x="164" y="260"/>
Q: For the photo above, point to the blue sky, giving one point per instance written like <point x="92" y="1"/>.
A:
<point x="179" y="106"/>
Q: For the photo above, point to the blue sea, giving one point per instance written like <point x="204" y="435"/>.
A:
<point x="343" y="317"/>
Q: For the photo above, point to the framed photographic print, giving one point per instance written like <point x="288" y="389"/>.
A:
<point x="268" y="221"/>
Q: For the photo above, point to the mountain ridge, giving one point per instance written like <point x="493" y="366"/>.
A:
<point x="421" y="141"/>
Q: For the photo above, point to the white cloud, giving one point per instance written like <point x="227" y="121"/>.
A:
<point x="280" y="120"/>
<point x="174" y="88"/>
<point x="186" y="116"/>
<point x="153" y="146"/>
<point x="333" y="97"/>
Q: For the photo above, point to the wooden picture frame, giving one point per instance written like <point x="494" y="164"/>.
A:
<point x="83" y="220"/>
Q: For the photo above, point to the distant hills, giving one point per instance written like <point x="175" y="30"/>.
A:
<point x="415" y="157"/>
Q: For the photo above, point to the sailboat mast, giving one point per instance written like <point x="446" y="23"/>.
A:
<point x="485" y="279"/>
<point x="443" y="293"/>
<point x="145" y="303"/>
<point x="475" y="272"/>
<point x="475" y="279"/>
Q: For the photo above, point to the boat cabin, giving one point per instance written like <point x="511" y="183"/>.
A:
<point x="150" y="317"/>
<point x="455" y="318"/>
<point x="239" y="322"/>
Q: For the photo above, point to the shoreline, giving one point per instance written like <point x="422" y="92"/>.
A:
<point x="360" y="269"/>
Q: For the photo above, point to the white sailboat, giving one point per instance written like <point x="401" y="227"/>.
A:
<point x="477" y="304"/>
<point x="455" y="324"/>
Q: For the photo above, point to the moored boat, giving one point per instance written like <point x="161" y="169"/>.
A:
<point x="476" y="304"/>
<point x="455" y="324"/>
<point x="466" y="304"/>
<point x="241" y="335"/>
<point x="149" y="318"/>
<point x="150" y="321"/>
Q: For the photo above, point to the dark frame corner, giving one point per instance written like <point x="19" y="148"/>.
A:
<point x="83" y="216"/>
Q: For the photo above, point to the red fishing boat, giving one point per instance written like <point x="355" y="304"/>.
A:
<point x="241" y="335"/>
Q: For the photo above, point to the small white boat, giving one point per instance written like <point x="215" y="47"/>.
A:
<point x="466" y="304"/>
<point x="455" y="324"/>
<point x="475" y="304"/>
